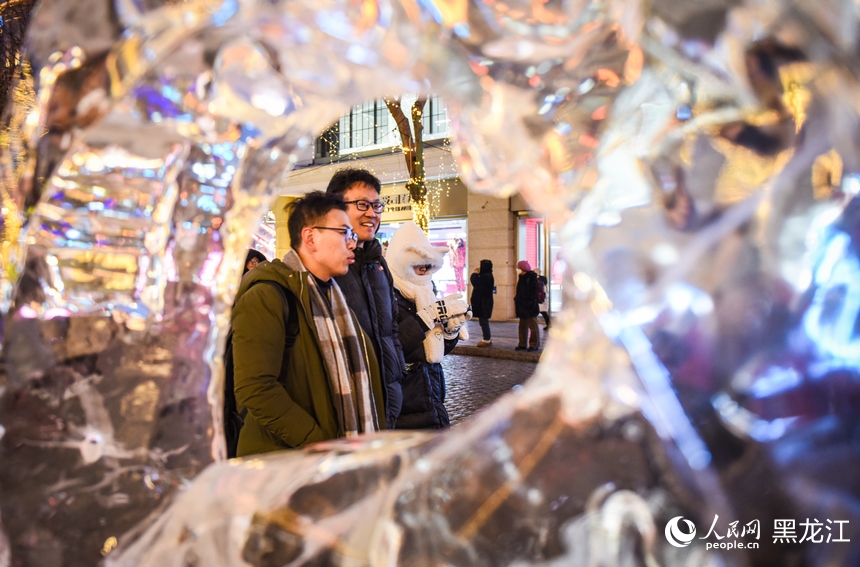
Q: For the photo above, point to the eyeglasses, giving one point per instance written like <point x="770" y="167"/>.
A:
<point x="348" y="233"/>
<point x="363" y="205"/>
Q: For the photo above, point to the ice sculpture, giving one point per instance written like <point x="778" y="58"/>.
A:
<point x="702" y="154"/>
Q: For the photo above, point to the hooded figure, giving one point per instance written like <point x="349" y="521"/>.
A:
<point x="527" y="307"/>
<point x="253" y="259"/>
<point x="428" y="328"/>
<point x="482" y="299"/>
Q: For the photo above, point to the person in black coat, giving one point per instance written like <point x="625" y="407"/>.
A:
<point x="368" y="287"/>
<point x="482" y="299"/>
<point x="527" y="307"/>
<point x="429" y="328"/>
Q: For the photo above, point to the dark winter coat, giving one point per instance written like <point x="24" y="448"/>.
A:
<point x="369" y="292"/>
<point x="424" y="382"/>
<point x="482" y="291"/>
<point x="289" y="405"/>
<point x="526" y="299"/>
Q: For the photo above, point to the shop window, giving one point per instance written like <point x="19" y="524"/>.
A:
<point x="369" y="126"/>
<point x="530" y="242"/>
<point x="327" y="144"/>
<point x="366" y="125"/>
<point x="557" y="267"/>
<point x="533" y="242"/>
<point x="435" y="118"/>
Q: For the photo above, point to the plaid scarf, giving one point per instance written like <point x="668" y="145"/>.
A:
<point x="343" y="346"/>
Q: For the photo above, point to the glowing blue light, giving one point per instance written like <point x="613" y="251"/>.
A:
<point x="832" y="315"/>
<point x="462" y="29"/>
<point x="204" y="170"/>
<point x="665" y="411"/>
<point x="227" y="10"/>
<point x="224" y="152"/>
<point x="684" y="112"/>
<point x="335" y="25"/>
<point x="357" y="54"/>
<point x="775" y="381"/>
<point x="432" y="9"/>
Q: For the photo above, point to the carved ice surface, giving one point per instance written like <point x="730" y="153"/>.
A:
<point x="700" y="159"/>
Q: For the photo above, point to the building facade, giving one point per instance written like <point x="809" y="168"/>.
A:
<point x="473" y="226"/>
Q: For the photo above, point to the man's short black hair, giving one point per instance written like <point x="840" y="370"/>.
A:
<point x="345" y="178"/>
<point x="310" y="210"/>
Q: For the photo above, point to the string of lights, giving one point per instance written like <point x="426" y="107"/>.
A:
<point x="366" y="130"/>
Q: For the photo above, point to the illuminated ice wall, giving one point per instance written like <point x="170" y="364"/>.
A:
<point x="701" y="156"/>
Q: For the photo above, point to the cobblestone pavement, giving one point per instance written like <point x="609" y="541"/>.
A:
<point x="475" y="382"/>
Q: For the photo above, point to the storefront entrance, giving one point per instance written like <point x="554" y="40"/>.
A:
<point x="543" y="252"/>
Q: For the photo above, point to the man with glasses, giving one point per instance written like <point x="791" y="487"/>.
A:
<point x="327" y="384"/>
<point x="368" y="285"/>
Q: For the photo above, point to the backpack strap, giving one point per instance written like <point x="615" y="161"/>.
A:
<point x="233" y="419"/>
<point x="291" y="316"/>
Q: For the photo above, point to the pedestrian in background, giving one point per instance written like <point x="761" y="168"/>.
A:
<point x="253" y="258"/>
<point x="543" y="299"/>
<point x="429" y="328"/>
<point x="457" y="259"/>
<point x="368" y="286"/>
<point x="482" y="299"/>
<point x="527" y="307"/>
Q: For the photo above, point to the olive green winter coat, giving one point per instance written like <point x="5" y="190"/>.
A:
<point x="288" y="406"/>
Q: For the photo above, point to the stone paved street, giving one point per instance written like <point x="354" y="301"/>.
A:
<point x="474" y="382"/>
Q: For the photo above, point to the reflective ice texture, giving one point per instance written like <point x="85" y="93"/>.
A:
<point x="700" y="156"/>
<point x="562" y="64"/>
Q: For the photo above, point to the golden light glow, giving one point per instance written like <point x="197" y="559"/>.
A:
<point x="634" y="64"/>
<point x="11" y="138"/>
<point x="24" y="97"/>
<point x="744" y="171"/>
<point x="826" y="175"/>
<point x="609" y="77"/>
<point x="452" y="11"/>
<point x="796" y="95"/>
<point x="369" y="15"/>
<point x="421" y="214"/>
<point x="110" y="544"/>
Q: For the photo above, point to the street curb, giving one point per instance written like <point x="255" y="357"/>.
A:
<point x="490" y="352"/>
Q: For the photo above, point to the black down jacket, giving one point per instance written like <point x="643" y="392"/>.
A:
<point x="369" y="292"/>
<point x="424" y="382"/>
<point x="526" y="299"/>
<point x="482" y="291"/>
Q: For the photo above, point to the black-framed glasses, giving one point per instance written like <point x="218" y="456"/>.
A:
<point x="348" y="233"/>
<point x="362" y="205"/>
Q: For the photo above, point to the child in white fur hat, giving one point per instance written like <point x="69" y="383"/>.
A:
<point x="429" y="328"/>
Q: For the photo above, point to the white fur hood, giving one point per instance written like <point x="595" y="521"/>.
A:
<point x="410" y="247"/>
